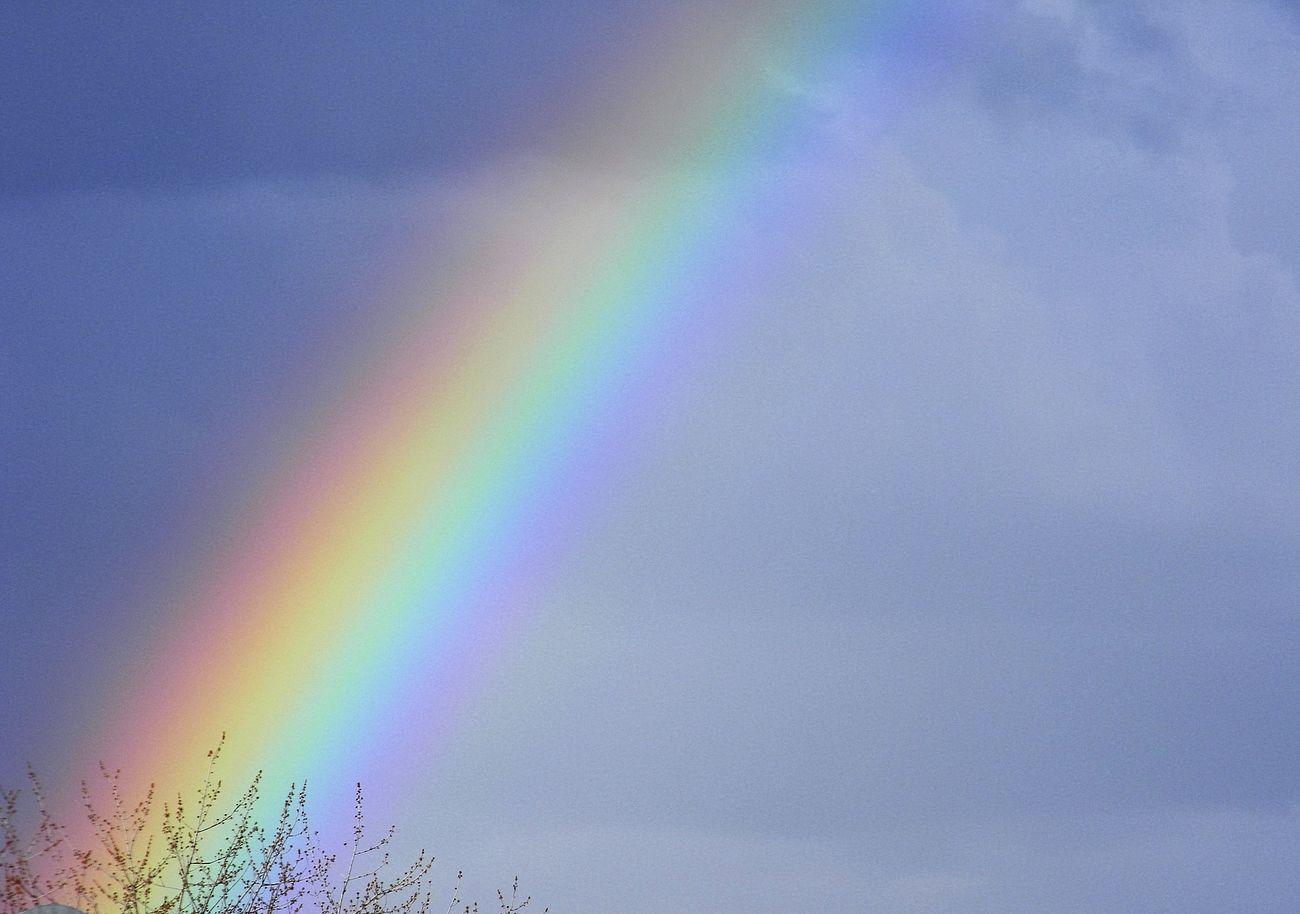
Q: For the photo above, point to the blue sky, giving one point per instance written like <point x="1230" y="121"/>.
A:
<point x="962" y="579"/>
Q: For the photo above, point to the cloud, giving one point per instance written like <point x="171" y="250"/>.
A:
<point x="975" y="538"/>
<point x="1122" y="67"/>
<point x="137" y="98"/>
<point x="1288" y="7"/>
<point x="1196" y="862"/>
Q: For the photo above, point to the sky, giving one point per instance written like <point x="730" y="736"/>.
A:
<point x="939" y="556"/>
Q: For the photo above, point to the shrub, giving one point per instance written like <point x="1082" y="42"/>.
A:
<point x="199" y="858"/>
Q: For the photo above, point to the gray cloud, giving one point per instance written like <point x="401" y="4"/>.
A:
<point x="979" y="544"/>
<point x="141" y="98"/>
<point x="1123" y="68"/>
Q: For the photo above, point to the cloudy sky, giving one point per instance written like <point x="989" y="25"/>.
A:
<point x="958" y="575"/>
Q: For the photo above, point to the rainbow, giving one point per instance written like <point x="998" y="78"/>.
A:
<point x="371" y="573"/>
